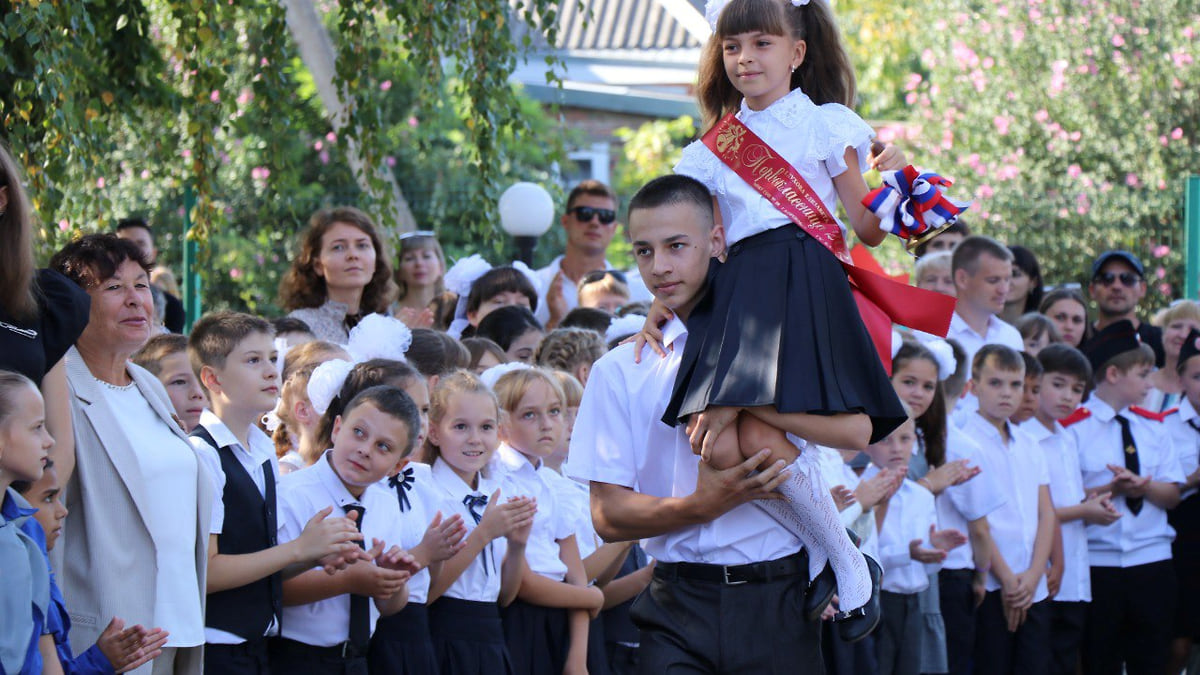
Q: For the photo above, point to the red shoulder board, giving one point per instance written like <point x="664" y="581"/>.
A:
<point x="1142" y="412"/>
<point x="1172" y="411"/>
<point x="1079" y="415"/>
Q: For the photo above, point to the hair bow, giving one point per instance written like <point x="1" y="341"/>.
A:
<point x="325" y="383"/>
<point x="458" y="280"/>
<point x="493" y="374"/>
<point x="944" y="354"/>
<point x="624" y="326"/>
<point x="379" y="336"/>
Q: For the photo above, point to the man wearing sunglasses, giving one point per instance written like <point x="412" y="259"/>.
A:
<point x="1118" y="283"/>
<point x="590" y="222"/>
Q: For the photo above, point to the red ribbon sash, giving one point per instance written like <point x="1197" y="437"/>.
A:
<point x="881" y="301"/>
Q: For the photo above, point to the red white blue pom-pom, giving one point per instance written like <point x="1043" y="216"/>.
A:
<point x="910" y="204"/>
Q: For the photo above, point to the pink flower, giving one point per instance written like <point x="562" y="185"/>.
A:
<point x="64" y="225"/>
<point x="1082" y="204"/>
<point x="235" y="273"/>
<point x="331" y="137"/>
<point x="245" y="97"/>
<point x="390" y="161"/>
<point x="1161" y="251"/>
<point x="1118" y="41"/>
<point x="260" y="173"/>
<point x="1132" y="180"/>
<point x="1161" y="273"/>
<point x="1162" y="140"/>
<point x="318" y="145"/>
<point x="986" y="191"/>
<point x="1177" y="133"/>
<point x="324" y="157"/>
<point x="913" y="81"/>
<point x="145" y="174"/>
<point x="1041" y="115"/>
<point x="215" y="96"/>
<point x="413" y="122"/>
<point x="187" y="154"/>
<point x="1165" y="288"/>
<point x="1188" y="32"/>
<point x="1001" y="123"/>
<point x="385" y="85"/>
<point x="100" y="183"/>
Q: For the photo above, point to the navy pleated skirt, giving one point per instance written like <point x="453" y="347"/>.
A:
<point x="468" y="638"/>
<point x="537" y="637"/>
<point x="402" y="643"/>
<point x="779" y="326"/>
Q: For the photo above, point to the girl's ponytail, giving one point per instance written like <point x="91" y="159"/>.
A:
<point x="826" y="74"/>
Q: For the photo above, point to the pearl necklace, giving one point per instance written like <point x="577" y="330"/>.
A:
<point x="115" y="387"/>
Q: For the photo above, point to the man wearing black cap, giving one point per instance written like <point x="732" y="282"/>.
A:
<point x="1118" y="283"/>
<point x="1125" y="450"/>
<point x="1183" y="423"/>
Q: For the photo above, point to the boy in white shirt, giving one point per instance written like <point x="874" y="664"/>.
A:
<point x="910" y="549"/>
<point x="233" y="355"/>
<point x="1066" y="374"/>
<point x="1126" y="451"/>
<point x="1013" y="620"/>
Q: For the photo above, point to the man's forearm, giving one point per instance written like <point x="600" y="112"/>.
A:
<point x="620" y="514"/>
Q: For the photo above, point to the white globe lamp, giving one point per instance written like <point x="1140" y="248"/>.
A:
<point x="526" y="212"/>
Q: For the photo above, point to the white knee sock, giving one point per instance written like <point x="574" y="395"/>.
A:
<point x="785" y="516"/>
<point x="814" y="509"/>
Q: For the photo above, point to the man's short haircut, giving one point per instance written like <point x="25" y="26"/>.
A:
<point x="1127" y="360"/>
<point x="590" y="188"/>
<point x="157" y="348"/>
<point x="216" y="335"/>
<point x="1002" y="357"/>
<point x="130" y="223"/>
<point x="1064" y="359"/>
<point x="959" y="227"/>
<point x="670" y="190"/>
<point x="966" y="255"/>
<point x="1033" y="368"/>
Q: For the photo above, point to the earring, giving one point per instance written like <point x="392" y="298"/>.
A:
<point x="793" y="69"/>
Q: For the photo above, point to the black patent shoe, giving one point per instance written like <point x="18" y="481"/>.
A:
<point x="819" y="593"/>
<point x="858" y="623"/>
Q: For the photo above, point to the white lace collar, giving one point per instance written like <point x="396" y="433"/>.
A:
<point x="790" y="110"/>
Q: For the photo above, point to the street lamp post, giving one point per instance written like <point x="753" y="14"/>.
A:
<point x="526" y="211"/>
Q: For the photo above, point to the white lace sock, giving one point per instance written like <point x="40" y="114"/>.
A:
<point x="814" y="508"/>
<point x="791" y="521"/>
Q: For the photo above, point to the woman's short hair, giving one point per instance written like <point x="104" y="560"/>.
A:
<point x="93" y="258"/>
<point x="505" y="325"/>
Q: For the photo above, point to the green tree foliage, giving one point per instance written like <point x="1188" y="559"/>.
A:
<point x="1072" y="124"/>
<point x="117" y="105"/>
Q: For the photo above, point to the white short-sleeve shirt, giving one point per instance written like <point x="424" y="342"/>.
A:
<point x="416" y="512"/>
<point x="1131" y="540"/>
<point x="480" y="581"/>
<point x="812" y="138"/>
<point x="572" y="497"/>
<point x="1020" y="469"/>
<point x="958" y="505"/>
<point x="553" y="522"/>
<point x="1066" y="489"/>
<point x="619" y="438"/>
<point x="910" y="512"/>
<point x="302" y="493"/>
<point x="1185" y="438"/>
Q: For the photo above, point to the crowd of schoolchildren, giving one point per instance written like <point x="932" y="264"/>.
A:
<point x="388" y="499"/>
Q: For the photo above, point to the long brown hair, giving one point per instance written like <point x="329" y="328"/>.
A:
<point x="932" y="423"/>
<point x="420" y="242"/>
<point x="826" y="75"/>
<point x="16" y="244"/>
<point x="303" y="287"/>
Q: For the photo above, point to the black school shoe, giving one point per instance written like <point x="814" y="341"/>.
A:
<point x="856" y="624"/>
<point x="819" y="593"/>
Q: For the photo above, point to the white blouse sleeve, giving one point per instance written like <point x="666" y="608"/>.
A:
<point x="845" y="129"/>
<point x="698" y="162"/>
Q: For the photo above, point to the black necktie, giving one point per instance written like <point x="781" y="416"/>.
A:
<point x="403" y="482"/>
<point x="360" y="609"/>
<point x="1131" y="460"/>
<point x="473" y="504"/>
<point x="1194" y="425"/>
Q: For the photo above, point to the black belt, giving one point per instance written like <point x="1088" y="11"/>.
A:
<point x="733" y="575"/>
<point x="340" y="652"/>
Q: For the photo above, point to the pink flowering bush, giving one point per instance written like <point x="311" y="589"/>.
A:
<point x="1072" y="124"/>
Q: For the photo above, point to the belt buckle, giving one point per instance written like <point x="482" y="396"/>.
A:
<point x="731" y="582"/>
<point x="346" y="646"/>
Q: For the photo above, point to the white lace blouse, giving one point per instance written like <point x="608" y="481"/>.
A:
<point x="812" y="138"/>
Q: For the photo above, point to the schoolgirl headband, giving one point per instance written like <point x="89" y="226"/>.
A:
<point x="713" y="9"/>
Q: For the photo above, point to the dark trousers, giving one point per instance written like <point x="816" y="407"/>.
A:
<point x="846" y="658"/>
<point x="297" y="658"/>
<point x="1067" y="621"/>
<point x="248" y="658"/>
<point x="958" y="611"/>
<point x="694" y="627"/>
<point x="622" y="659"/>
<point x="1130" y="619"/>
<point x="1000" y="652"/>
<point x="898" y="638"/>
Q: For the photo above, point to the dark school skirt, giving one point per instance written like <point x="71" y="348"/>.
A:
<point x="402" y="644"/>
<point x="537" y="637"/>
<point x="778" y="326"/>
<point x="1185" y="553"/>
<point x="468" y="638"/>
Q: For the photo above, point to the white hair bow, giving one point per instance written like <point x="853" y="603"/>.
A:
<point x="493" y="374"/>
<point x="458" y="280"/>
<point x="713" y="9"/>
<point x="944" y="353"/>
<point x="325" y="383"/>
<point x="624" y="326"/>
<point x="379" y="336"/>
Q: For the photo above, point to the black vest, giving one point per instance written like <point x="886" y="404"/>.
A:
<point x="249" y="527"/>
